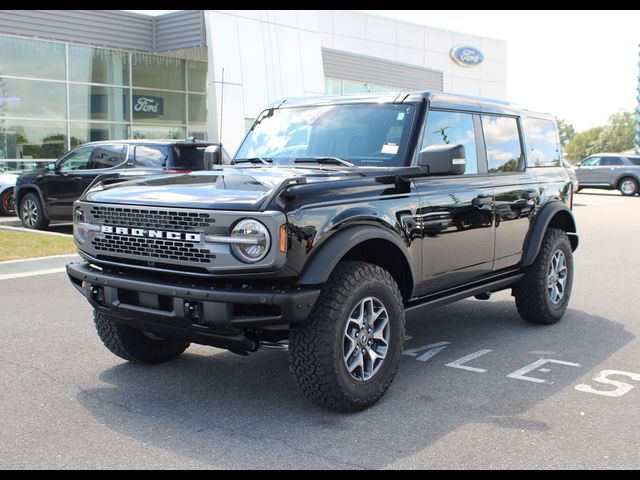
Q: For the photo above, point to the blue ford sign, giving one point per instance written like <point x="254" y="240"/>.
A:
<point x="148" y="105"/>
<point x="466" y="56"/>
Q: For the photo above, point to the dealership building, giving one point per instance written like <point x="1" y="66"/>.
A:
<point x="73" y="76"/>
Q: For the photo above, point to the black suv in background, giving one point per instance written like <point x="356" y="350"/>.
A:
<point x="48" y="193"/>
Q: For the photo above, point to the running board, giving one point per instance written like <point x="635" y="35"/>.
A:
<point x="453" y="295"/>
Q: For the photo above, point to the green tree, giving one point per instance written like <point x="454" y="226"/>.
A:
<point x="566" y="131"/>
<point x="617" y="135"/>
<point x="583" y="144"/>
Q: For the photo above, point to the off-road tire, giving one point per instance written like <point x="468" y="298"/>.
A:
<point x="133" y="344"/>
<point x="6" y="202"/>
<point x="316" y="355"/>
<point x="533" y="299"/>
<point x="31" y="202"/>
<point x="626" y="191"/>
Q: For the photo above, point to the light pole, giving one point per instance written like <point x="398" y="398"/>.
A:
<point x="636" y="137"/>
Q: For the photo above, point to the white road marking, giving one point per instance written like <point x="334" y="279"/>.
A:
<point x="520" y="374"/>
<point x="10" y="276"/>
<point x="461" y="361"/>
<point x="407" y="338"/>
<point x="621" y="389"/>
<point x="431" y="350"/>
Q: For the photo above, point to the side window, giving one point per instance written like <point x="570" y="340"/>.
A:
<point x="452" y="128"/>
<point x="590" y="162"/>
<point x="151" y="155"/>
<point x="542" y="143"/>
<point x="108" y="156"/>
<point x="77" y="160"/>
<point x="611" y="161"/>
<point x="502" y="138"/>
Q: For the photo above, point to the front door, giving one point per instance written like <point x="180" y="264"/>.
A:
<point x="63" y="187"/>
<point x="455" y="212"/>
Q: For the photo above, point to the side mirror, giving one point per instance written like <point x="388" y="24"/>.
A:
<point x="212" y="156"/>
<point x="51" y="167"/>
<point x="443" y="159"/>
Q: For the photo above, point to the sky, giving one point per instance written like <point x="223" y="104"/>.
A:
<point x="581" y="66"/>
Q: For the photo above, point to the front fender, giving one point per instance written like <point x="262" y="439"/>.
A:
<point x="319" y="266"/>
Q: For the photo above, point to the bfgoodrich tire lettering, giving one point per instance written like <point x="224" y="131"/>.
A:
<point x="317" y="347"/>
<point x="539" y="297"/>
<point x="134" y="345"/>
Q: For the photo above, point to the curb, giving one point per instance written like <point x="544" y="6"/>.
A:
<point x="29" y="230"/>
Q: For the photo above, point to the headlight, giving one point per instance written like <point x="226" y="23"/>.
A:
<point x="80" y="227"/>
<point x="251" y="241"/>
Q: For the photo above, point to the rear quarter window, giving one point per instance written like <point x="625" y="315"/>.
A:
<point x="543" y="147"/>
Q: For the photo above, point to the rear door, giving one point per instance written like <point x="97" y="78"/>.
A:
<point x="455" y="212"/>
<point x="515" y="192"/>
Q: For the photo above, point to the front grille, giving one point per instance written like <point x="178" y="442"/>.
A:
<point x="161" y="219"/>
<point x="153" y="248"/>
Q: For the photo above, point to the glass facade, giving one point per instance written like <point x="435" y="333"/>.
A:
<point x="338" y="86"/>
<point x="55" y="96"/>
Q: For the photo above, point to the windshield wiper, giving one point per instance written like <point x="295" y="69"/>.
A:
<point x="325" y="160"/>
<point x="264" y="161"/>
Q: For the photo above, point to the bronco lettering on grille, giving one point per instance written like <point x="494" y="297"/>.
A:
<point x="142" y="232"/>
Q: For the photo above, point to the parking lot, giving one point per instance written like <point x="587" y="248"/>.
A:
<point x="476" y="388"/>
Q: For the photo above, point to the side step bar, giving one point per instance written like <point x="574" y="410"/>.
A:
<point x="470" y="290"/>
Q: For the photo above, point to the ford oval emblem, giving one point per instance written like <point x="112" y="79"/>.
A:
<point x="466" y="56"/>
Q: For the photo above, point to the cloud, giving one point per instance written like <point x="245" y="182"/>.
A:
<point x="500" y="155"/>
<point x="537" y="156"/>
<point x="499" y="129"/>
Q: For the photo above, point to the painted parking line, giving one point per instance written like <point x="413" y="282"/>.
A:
<point x="10" y="276"/>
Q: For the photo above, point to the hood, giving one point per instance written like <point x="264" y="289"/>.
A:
<point x="230" y="188"/>
<point x="30" y="174"/>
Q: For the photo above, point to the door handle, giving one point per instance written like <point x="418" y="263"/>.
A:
<point x="77" y="178"/>
<point x="482" y="200"/>
<point x="531" y="195"/>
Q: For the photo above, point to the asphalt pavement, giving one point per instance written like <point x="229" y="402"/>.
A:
<point x="476" y="388"/>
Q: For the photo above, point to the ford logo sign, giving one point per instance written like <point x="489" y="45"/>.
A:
<point x="466" y="56"/>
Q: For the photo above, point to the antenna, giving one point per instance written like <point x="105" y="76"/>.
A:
<point x="221" y="107"/>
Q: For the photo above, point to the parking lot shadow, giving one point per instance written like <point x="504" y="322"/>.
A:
<point x="226" y="411"/>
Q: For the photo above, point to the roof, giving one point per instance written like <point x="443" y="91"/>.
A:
<point x="436" y="99"/>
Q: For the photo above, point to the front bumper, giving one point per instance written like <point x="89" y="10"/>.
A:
<point x="212" y="316"/>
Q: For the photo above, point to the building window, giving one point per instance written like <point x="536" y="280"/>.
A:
<point x="157" y="131"/>
<point x="83" y="132"/>
<point x="32" y="139"/>
<point x="150" y="106"/>
<point x="92" y="102"/>
<point x="23" y="57"/>
<point x="32" y="98"/>
<point x="112" y="94"/>
<point x="197" y="75"/>
<point x="197" y="108"/>
<point x="337" y="86"/>
<point x="156" y="71"/>
<point x="98" y="65"/>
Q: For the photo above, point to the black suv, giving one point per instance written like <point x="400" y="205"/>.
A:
<point x="48" y="193"/>
<point x="337" y="215"/>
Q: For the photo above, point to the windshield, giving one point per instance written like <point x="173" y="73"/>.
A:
<point x="365" y="135"/>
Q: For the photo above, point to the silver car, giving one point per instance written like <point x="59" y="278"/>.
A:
<point x="571" y="171"/>
<point x="7" y="184"/>
<point x="610" y="171"/>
